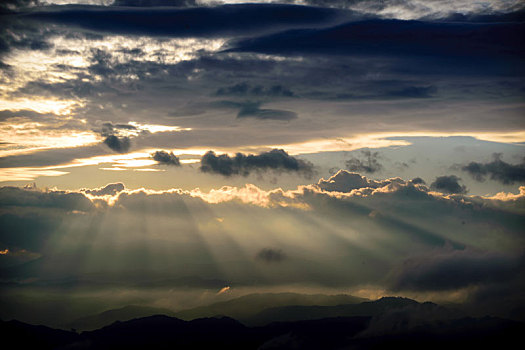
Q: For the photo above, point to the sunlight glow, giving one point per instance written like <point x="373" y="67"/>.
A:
<point x="27" y="174"/>
<point x="41" y="105"/>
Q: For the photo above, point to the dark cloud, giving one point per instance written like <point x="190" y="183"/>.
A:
<point x="118" y="144"/>
<point x="7" y="6"/>
<point x="109" y="189"/>
<point x="270" y="255"/>
<point x="15" y="196"/>
<point x="16" y="33"/>
<point x="497" y="170"/>
<point x="245" y="89"/>
<point x="242" y="164"/>
<point x="152" y="3"/>
<point x="453" y="269"/>
<point x="163" y="157"/>
<point x="190" y="22"/>
<point x="252" y="110"/>
<point x="418" y="181"/>
<point x="345" y="181"/>
<point x="448" y="184"/>
<point x="369" y="164"/>
<point x="108" y="129"/>
<point x="437" y="42"/>
<point x="52" y="156"/>
<point x="413" y="92"/>
<point x="26" y="113"/>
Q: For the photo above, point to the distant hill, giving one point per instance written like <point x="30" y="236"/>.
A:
<point x="243" y="309"/>
<point x="246" y="307"/>
<point x="369" y="308"/>
<point x="163" y="332"/>
<point x="125" y="313"/>
<point x="26" y="336"/>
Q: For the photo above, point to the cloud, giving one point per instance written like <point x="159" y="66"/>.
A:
<point x="245" y="89"/>
<point x="109" y="189"/>
<point x="394" y="38"/>
<point x="449" y="269"/>
<point x="242" y="164"/>
<point x="498" y="170"/>
<point x="369" y="165"/>
<point x="25" y="113"/>
<point x="345" y="181"/>
<point x="152" y="3"/>
<point x="252" y="110"/>
<point x="448" y="184"/>
<point x="109" y="129"/>
<point x="118" y="144"/>
<point x="414" y="92"/>
<point x="8" y="6"/>
<point x="418" y="181"/>
<point x="389" y="234"/>
<point x="270" y="255"/>
<point x="212" y="21"/>
<point x="411" y="9"/>
<point x="15" y="196"/>
<point x="163" y="157"/>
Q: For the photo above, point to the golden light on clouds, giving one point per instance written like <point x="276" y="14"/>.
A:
<point x="223" y="290"/>
<point x="41" y="105"/>
<point x="27" y="174"/>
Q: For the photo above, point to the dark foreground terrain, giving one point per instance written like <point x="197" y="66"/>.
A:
<point x="395" y="322"/>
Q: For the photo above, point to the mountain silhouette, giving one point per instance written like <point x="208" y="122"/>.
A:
<point x="398" y="322"/>
<point x="246" y="307"/>
<point x="125" y="313"/>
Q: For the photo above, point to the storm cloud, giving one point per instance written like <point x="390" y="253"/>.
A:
<point x="242" y="164"/>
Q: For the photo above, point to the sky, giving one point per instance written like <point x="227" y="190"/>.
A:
<point x="172" y="152"/>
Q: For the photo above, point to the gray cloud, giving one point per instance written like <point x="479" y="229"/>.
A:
<point x="108" y="129"/>
<point x="152" y="3"/>
<point x="15" y="196"/>
<point x="118" y="144"/>
<point x="452" y="269"/>
<point x="163" y="157"/>
<point x="369" y="164"/>
<point x="109" y="189"/>
<point x="448" y="184"/>
<point x="253" y="110"/>
<point x="270" y="255"/>
<point x="497" y="170"/>
<point x="245" y="89"/>
<point x="418" y="181"/>
<point x="242" y="164"/>
<point x="345" y="181"/>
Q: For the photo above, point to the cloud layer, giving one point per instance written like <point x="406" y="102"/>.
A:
<point x="242" y="164"/>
